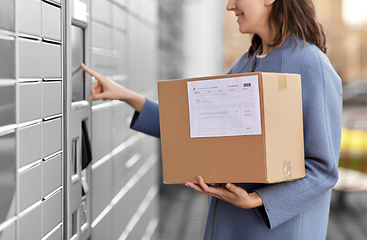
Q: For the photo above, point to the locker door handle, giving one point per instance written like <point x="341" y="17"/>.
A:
<point x="86" y="147"/>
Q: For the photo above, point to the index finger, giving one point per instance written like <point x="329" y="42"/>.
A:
<point x="92" y="73"/>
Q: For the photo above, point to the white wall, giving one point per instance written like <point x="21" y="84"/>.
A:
<point x="203" y="37"/>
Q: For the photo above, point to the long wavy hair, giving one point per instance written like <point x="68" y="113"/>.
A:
<point x="293" y="16"/>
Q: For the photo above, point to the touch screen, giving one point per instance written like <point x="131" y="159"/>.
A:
<point x="77" y="58"/>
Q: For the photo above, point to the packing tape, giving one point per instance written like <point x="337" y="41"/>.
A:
<point x="282" y="82"/>
<point x="287" y="170"/>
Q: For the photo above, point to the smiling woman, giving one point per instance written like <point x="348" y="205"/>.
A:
<point x="252" y="17"/>
<point x="291" y="40"/>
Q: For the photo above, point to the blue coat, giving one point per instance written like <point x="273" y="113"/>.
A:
<point x="292" y="210"/>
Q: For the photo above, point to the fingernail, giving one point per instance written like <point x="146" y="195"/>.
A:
<point x="229" y="185"/>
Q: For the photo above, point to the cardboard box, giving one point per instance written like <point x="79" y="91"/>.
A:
<point x="274" y="154"/>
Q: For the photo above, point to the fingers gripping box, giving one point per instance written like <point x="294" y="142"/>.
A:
<point x="233" y="128"/>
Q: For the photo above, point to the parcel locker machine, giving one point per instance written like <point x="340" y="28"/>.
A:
<point x="77" y="113"/>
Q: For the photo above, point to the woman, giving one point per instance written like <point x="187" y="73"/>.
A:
<point x="286" y="39"/>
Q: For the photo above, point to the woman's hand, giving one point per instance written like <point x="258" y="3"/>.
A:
<point x="105" y="88"/>
<point x="231" y="193"/>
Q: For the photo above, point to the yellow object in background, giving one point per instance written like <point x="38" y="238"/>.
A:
<point x="353" y="141"/>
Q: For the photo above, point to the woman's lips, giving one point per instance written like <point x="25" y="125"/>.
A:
<point x="239" y="16"/>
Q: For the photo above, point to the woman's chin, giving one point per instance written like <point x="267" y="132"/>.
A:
<point x="243" y="31"/>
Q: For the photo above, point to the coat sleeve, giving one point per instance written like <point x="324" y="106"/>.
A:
<point x="147" y="121"/>
<point x="322" y="106"/>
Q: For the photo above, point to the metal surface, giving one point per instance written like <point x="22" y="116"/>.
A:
<point x="77" y="109"/>
<point x="52" y="174"/>
<point x="7" y="15"/>
<point x="51" y="98"/>
<point x="29" y="58"/>
<point x="30" y="101"/>
<point x="30" y="187"/>
<point x="30" y="144"/>
<point x="44" y="99"/>
<point x="29" y="226"/>
<point x="51" y="27"/>
<point x="52" y="135"/>
<point x="8" y="233"/>
<point x="51" y="60"/>
<point x="29" y="17"/>
<point x="7" y="53"/>
<point x="7" y="176"/>
<point x="7" y="105"/>
<point x="52" y="211"/>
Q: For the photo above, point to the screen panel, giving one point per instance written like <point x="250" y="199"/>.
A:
<point x="77" y="55"/>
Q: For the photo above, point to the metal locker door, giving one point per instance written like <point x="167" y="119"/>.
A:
<point x="77" y="121"/>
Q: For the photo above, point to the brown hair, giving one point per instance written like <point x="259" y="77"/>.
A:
<point x="293" y="16"/>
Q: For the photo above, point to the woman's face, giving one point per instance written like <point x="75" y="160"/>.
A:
<point x="252" y="15"/>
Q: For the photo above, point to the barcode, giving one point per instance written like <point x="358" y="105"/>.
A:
<point x="247" y="85"/>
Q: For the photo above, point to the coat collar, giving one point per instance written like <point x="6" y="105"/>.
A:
<point x="271" y="63"/>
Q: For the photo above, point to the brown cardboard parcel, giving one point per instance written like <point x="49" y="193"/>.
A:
<point x="275" y="155"/>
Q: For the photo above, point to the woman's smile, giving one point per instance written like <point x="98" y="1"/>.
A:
<point x="239" y="16"/>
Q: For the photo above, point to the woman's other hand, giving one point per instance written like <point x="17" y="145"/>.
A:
<point x="105" y="88"/>
<point x="231" y="193"/>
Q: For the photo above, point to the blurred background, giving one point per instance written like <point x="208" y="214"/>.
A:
<point x="50" y="188"/>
